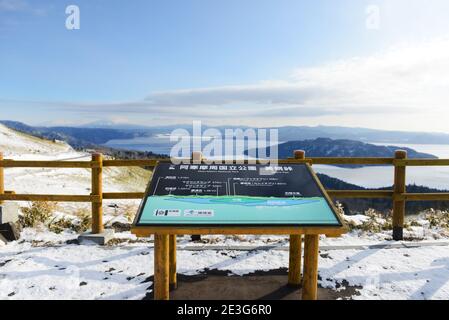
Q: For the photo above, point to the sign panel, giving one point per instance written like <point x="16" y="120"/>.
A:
<point x="240" y="195"/>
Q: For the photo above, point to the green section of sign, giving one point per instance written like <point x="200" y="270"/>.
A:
<point x="236" y="210"/>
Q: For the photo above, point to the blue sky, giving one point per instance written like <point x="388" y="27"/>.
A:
<point x="255" y="62"/>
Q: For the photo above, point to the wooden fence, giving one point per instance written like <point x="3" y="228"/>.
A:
<point x="398" y="194"/>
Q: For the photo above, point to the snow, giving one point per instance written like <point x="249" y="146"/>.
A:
<point x="55" y="270"/>
<point x="19" y="146"/>
<point x="16" y="143"/>
<point x="45" y="265"/>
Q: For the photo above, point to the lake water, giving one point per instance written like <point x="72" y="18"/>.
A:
<point x="371" y="177"/>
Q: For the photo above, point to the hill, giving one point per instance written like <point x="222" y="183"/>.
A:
<point x="81" y="138"/>
<point x="290" y="133"/>
<point x="353" y="206"/>
<point x="326" y="147"/>
<point x="21" y="146"/>
<point x="76" y="137"/>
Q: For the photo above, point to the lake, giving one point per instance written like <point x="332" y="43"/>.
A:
<point x="370" y="177"/>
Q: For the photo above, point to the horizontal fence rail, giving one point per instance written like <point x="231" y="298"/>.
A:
<point x="398" y="195"/>
<point x="48" y="164"/>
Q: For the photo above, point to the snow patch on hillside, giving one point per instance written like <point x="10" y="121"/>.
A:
<point x="19" y="146"/>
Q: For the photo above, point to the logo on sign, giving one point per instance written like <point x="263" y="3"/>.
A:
<point x="167" y="213"/>
<point x="198" y="213"/>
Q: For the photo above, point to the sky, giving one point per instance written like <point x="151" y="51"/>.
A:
<point x="380" y="64"/>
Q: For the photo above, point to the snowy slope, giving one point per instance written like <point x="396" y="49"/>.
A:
<point x="19" y="146"/>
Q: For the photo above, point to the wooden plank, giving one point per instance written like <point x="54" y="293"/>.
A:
<point x="2" y="178"/>
<point x="314" y="160"/>
<point x="97" y="190"/>
<point x="310" y="282"/>
<point x="123" y="195"/>
<point x="47" y="164"/>
<point x="354" y="160"/>
<point x="48" y="197"/>
<point x="154" y="162"/>
<point x="442" y="196"/>
<point x="294" y="269"/>
<point x="360" y="193"/>
<point x="146" y="231"/>
<point x="131" y="163"/>
<point x="421" y="162"/>
<point x="293" y="161"/>
<point x="161" y="267"/>
<point x="172" y="257"/>
<point x="399" y="188"/>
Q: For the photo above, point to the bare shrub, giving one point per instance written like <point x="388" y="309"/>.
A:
<point x="80" y="224"/>
<point x="38" y="213"/>
<point x="129" y="211"/>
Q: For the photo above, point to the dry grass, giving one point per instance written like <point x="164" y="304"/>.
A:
<point x="37" y="214"/>
<point x="129" y="211"/>
<point x="437" y="218"/>
<point x="375" y="222"/>
<point x="81" y="223"/>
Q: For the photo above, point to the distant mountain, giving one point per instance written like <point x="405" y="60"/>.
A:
<point x="114" y="125"/>
<point x="292" y="133"/>
<point x="325" y="147"/>
<point x="353" y="206"/>
<point x="76" y="137"/>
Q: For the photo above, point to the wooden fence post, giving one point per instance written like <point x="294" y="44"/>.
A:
<point x="2" y="178"/>
<point x="294" y="269"/>
<point x="311" y="251"/>
<point x="399" y="188"/>
<point x="197" y="158"/>
<point x="172" y="257"/>
<point x="97" y="190"/>
<point x="161" y="267"/>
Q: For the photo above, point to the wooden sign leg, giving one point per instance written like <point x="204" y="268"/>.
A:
<point x="173" y="277"/>
<point x="161" y="267"/>
<point x="294" y="269"/>
<point x="310" y="284"/>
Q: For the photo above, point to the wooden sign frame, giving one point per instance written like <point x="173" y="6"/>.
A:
<point x="165" y="247"/>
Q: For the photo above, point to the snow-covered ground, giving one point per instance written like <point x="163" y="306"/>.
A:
<point x="45" y="265"/>
<point x="52" y="269"/>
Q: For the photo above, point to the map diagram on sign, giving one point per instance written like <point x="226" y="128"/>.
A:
<point x="212" y="194"/>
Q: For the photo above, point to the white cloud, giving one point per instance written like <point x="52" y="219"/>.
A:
<point x="396" y="89"/>
<point x="403" y="77"/>
<point x="13" y="5"/>
<point x="21" y="6"/>
<point x="405" y="80"/>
